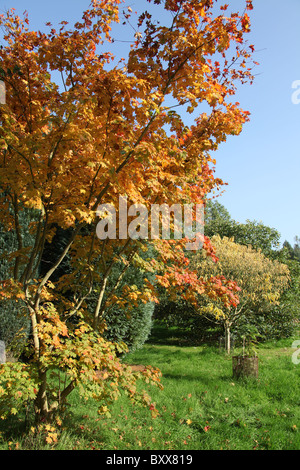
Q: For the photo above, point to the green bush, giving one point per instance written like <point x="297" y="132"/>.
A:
<point x="14" y="318"/>
<point x="132" y="328"/>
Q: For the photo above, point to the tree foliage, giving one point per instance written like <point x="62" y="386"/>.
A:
<point x="218" y="221"/>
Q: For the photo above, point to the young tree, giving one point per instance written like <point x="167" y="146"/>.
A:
<point x="261" y="281"/>
<point x="111" y="129"/>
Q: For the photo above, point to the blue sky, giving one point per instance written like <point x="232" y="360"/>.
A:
<point x="262" y="165"/>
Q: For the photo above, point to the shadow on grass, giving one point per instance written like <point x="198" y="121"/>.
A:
<point x="175" y="336"/>
<point x="13" y="428"/>
<point x="202" y="378"/>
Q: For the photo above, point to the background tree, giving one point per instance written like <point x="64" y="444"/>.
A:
<point x="297" y="248"/>
<point x="274" y="322"/>
<point x="289" y="308"/>
<point x="219" y="222"/>
<point x="293" y="251"/>
<point x="105" y="134"/>
<point x="282" y="319"/>
<point x="260" y="279"/>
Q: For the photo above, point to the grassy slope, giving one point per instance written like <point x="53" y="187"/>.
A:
<point x="201" y="407"/>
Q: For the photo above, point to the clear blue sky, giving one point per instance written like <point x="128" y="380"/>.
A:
<point x="262" y="165"/>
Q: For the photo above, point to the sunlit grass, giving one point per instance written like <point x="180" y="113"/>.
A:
<point x="201" y="405"/>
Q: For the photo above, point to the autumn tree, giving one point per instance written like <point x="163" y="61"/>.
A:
<point x="260" y="279"/>
<point x="81" y="128"/>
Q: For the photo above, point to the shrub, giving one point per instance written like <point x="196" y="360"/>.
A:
<point x="132" y="328"/>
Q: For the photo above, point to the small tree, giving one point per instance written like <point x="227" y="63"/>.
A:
<point x="261" y="282"/>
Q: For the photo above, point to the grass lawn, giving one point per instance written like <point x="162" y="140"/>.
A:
<point x="200" y="408"/>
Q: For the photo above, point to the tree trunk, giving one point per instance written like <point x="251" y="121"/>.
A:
<point x="43" y="411"/>
<point x="41" y="401"/>
<point x="244" y="366"/>
<point x="227" y="338"/>
<point x="99" y="303"/>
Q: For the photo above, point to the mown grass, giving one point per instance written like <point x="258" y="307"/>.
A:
<point x="200" y="408"/>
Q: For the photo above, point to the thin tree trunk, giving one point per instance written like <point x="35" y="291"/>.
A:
<point x="100" y="299"/>
<point x="104" y="283"/>
<point x="41" y="402"/>
<point x="227" y="338"/>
